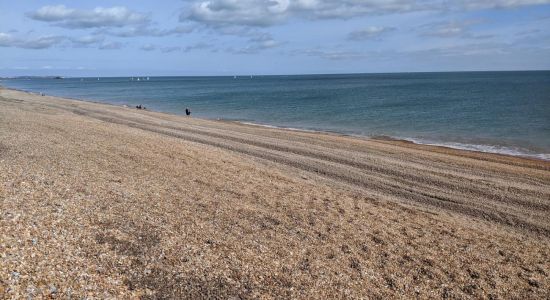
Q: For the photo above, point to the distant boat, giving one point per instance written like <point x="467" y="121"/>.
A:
<point x="138" y="79"/>
<point x="98" y="79"/>
<point x="234" y="77"/>
<point x="58" y="77"/>
<point x="147" y="78"/>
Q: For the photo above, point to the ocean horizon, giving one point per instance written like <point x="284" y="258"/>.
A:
<point x="505" y="112"/>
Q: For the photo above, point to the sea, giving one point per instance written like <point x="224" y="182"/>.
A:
<point x="499" y="112"/>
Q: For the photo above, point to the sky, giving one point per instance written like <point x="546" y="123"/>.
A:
<point x="231" y="37"/>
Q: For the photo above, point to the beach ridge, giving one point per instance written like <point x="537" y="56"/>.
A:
<point x="148" y="203"/>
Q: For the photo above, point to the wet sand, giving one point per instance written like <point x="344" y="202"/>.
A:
<point x="107" y="201"/>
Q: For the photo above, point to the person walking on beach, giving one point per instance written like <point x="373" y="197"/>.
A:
<point x="187" y="111"/>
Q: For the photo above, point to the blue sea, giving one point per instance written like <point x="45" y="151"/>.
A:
<point x="501" y="112"/>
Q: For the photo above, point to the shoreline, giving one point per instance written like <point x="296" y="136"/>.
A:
<point x="476" y="148"/>
<point x="506" y="151"/>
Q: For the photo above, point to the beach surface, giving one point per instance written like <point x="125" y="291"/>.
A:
<point x="112" y="202"/>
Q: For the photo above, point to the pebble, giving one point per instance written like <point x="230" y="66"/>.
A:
<point x="15" y="275"/>
<point x="53" y="289"/>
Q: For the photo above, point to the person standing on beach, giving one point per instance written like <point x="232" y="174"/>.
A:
<point x="187" y="111"/>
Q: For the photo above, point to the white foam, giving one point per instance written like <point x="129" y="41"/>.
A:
<point x="277" y="127"/>
<point x="514" y="151"/>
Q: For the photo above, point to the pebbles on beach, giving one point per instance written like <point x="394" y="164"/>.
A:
<point x="99" y="201"/>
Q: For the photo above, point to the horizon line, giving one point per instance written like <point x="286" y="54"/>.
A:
<point x="266" y="75"/>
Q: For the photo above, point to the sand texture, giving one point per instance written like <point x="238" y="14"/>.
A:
<point x="101" y="201"/>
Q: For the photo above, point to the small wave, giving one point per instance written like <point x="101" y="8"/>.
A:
<point x="497" y="149"/>
<point x="514" y="151"/>
<point x="278" y="127"/>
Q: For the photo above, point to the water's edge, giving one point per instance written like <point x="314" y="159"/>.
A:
<point x="494" y="149"/>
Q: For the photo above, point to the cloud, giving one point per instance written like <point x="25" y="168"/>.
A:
<point x="95" y="41"/>
<point x="42" y="42"/>
<point x="258" y="41"/>
<point x="483" y="4"/>
<point x="236" y="12"/>
<point x="148" y="47"/>
<point x="170" y="49"/>
<point x="6" y="39"/>
<point x="49" y="41"/>
<point x="452" y="29"/>
<point x="147" y="30"/>
<point x="255" y="48"/>
<point x="60" y="15"/>
<point x="332" y="54"/>
<point x="264" y="13"/>
<point x="447" y="29"/>
<point x="371" y="32"/>
<point x="110" y="45"/>
<point x="197" y="46"/>
<point x="87" y="40"/>
<point x="464" y="50"/>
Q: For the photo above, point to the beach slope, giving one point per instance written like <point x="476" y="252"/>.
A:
<point x="105" y="201"/>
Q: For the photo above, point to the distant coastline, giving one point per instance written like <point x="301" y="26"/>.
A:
<point x="275" y="75"/>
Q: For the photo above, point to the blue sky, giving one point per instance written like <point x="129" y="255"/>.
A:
<point x="227" y="37"/>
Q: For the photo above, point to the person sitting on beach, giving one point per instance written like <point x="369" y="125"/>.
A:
<point x="187" y="111"/>
<point x="138" y="106"/>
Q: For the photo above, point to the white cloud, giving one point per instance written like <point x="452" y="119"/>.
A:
<point x="197" y="46"/>
<point x="48" y="41"/>
<point x="110" y="45"/>
<point x="263" y="13"/>
<point x="255" y="47"/>
<point x="238" y="12"/>
<point x="371" y="32"/>
<point x="87" y="40"/>
<point x="147" y="30"/>
<point x="482" y="4"/>
<point x="258" y="41"/>
<point x="170" y="49"/>
<point x="188" y="48"/>
<point x="42" y="42"/>
<point x="60" y="15"/>
<point x="334" y="54"/>
<point x="5" y="39"/>
<point x="452" y="29"/>
<point x="148" y="47"/>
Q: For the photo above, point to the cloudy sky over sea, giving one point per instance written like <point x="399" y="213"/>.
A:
<point x="227" y="37"/>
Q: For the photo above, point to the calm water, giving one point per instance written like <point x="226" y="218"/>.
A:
<point x="506" y="112"/>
